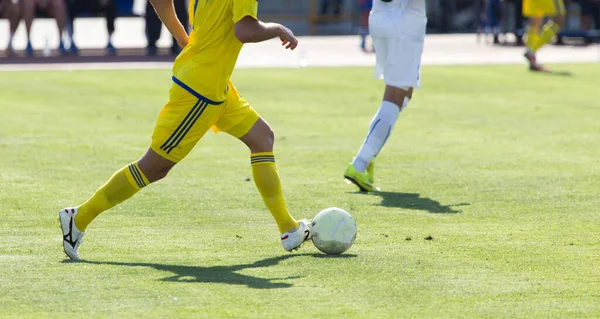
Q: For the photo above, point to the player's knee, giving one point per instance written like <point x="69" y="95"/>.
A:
<point x="154" y="166"/>
<point x="154" y="172"/>
<point x="270" y="138"/>
<point x="260" y="138"/>
<point x="397" y="95"/>
<point x="162" y="173"/>
<point x="264" y="142"/>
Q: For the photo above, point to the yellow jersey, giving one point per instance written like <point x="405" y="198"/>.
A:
<point x="205" y="65"/>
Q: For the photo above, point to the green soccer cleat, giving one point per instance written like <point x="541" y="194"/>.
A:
<point x="363" y="180"/>
<point x="371" y="170"/>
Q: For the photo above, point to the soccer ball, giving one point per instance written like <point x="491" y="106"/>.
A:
<point x="333" y="231"/>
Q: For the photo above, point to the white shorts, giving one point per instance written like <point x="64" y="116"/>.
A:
<point x="398" y="33"/>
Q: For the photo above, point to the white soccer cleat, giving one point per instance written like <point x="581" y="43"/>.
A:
<point x="72" y="237"/>
<point x="292" y="240"/>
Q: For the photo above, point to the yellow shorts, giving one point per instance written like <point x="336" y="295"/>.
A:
<point x="543" y="8"/>
<point x="187" y="116"/>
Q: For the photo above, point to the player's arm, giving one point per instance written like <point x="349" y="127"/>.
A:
<point x="166" y="13"/>
<point x="248" y="30"/>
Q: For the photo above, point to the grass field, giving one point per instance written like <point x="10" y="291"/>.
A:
<point x="498" y="167"/>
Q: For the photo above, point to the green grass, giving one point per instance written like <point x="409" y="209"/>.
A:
<point x="498" y="165"/>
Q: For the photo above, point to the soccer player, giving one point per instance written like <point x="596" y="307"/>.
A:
<point x="536" y="11"/>
<point x="398" y="32"/>
<point x="201" y="97"/>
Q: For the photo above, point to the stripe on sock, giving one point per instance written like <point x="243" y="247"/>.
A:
<point x="139" y="174"/>
<point x="138" y="178"/>
<point x="262" y="159"/>
<point x="372" y="129"/>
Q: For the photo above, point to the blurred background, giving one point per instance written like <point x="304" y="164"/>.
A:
<point x="70" y="28"/>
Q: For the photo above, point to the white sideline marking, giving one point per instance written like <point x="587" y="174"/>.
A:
<point x="343" y="51"/>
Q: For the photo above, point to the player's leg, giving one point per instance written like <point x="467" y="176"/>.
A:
<point x="122" y="185"/>
<point x="538" y="36"/>
<point x="180" y="125"/>
<point x="398" y="61"/>
<point x="556" y="10"/>
<point x="531" y="12"/>
<point x="260" y="139"/>
<point x="533" y="25"/>
<point x="242" y="122"/>
<point x="360" y="172"/>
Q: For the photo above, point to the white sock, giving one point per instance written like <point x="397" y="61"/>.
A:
<point x="379" y="131"/>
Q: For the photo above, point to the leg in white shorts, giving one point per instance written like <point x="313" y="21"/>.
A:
<point x="399" y="36"/>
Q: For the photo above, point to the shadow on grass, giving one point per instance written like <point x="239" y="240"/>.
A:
<point x="416" y="202"/>
<point x="557" y="73"/>
<point x="219" y="274"/>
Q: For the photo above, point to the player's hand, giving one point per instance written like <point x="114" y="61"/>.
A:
<point x="288" y="40"/>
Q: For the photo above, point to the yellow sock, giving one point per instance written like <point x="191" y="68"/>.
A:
<point x="532" y="36"/>
<point x="267" y="181"/>
<point x="121" y="186"/>
<point x="549" y="30"/>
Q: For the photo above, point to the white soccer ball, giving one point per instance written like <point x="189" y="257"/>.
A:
<point x="333" y="230"/>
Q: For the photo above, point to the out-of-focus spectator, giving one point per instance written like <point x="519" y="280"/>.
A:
<point x="590" y="14"/>
<point x="154" y="26"/>
<point x="10" y="9"/>
<point x="55" y="9"/>
<point x="489" y="21"/>
<point x="108" y="8"/>
<point x="326" y="4"/>
<point x="494" y="14"/>
<point x="519" y="20"/>
<point x="365" y="7"/>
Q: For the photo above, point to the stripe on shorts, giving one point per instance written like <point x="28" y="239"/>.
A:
<point x="184" y="127"/>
